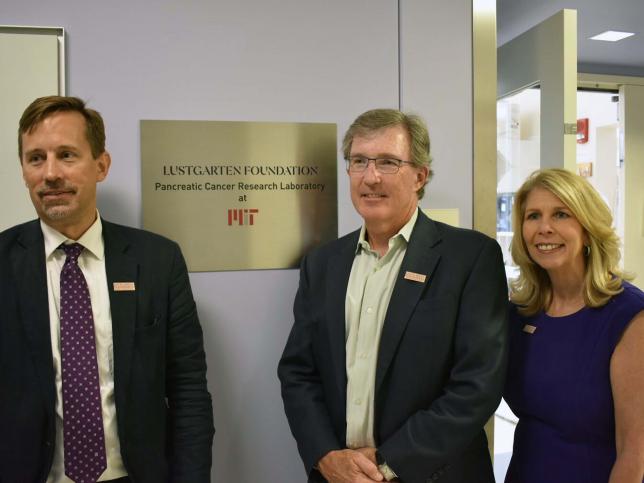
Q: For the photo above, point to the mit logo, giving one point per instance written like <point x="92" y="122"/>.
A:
<point x="243" y="216"/>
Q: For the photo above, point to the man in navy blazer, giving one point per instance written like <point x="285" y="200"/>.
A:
<point x="397" y="354"/>
<point x="155" y="406"/>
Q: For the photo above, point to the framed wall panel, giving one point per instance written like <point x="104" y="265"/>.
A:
<point x="32" y="62"/>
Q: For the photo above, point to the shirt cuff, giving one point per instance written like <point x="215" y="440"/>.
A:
<point x="387" y="472"/>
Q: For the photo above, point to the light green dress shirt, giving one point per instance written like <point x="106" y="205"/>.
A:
<point x="371" y="284"/>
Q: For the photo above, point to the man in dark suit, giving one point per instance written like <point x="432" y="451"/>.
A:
<point x="397" y="355"/>
<point x="102" y="367"/>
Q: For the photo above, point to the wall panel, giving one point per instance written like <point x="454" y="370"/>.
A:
<point x="262" y="60"/>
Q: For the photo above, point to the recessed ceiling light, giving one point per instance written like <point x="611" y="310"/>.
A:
<point x="612" y="36"/>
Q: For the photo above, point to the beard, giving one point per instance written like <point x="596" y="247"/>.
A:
<point x="58" y="211"/>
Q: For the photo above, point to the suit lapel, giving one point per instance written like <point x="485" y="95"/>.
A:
<point x="33" y="302"/>
<point x="120" y="266"/>
<point x="420" y="258"/>
<point x="338" y="270"/>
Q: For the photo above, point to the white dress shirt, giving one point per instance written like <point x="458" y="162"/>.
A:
<point x="92" y="263"/>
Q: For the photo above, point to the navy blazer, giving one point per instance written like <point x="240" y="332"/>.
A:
<point x="441" y="360"/>
<point x="164" y="410"/>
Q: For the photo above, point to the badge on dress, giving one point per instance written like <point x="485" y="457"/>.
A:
<point x="529" y="328"/>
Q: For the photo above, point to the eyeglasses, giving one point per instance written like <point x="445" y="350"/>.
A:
<point x="359" y="164"/>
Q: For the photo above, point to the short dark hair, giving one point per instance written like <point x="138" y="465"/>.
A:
<point x="44" y="107"/>
<point x="376" y="119"/>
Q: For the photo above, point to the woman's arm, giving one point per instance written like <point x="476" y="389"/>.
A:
<point x="627" y="382"/>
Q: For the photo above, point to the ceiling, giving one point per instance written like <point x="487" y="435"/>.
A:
<point x="625" y="57"/>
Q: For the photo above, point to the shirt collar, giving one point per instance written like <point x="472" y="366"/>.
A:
<point x="92" y="239"/>
<point x="404" y="233"/>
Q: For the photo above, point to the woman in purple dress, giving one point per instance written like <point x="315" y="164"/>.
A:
<point x="576" y="371"/>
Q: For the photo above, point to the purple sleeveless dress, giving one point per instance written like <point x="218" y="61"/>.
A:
<point x="559" y="386"/>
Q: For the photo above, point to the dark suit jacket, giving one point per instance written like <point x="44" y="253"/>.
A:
<point x="441" y="361"/>
<point x="164" y="410"/>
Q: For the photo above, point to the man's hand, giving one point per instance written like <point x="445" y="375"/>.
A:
<point x="350" y="466"/>
<point x="370" y="453"/>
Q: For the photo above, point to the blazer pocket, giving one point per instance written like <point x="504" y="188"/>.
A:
<point x="434" y="319"/>
<point x="436" y="308"/>
<point x="148" y="324"/>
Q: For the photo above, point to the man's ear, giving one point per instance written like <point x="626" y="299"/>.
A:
<point x="103" y="163"/>
<point x="421" y="176"/>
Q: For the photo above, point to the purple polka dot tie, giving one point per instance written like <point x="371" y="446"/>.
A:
<point x="83" y="438"/>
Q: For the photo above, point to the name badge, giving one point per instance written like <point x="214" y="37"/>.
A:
<point x="415" y="277"/>
<point x="124" y="287"/>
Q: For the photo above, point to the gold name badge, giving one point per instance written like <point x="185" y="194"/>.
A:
<point x="124" y="287"/>
<point x="529" y="328"/>
<point x="415" y="277"/>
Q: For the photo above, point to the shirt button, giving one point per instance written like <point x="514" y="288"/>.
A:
<point x="363" y="355"/>
<point x="369" y="310"/>
<point x="357" y="401"/>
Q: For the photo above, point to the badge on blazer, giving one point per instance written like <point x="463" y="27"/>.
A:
<point x="415" y="277"/>
<point x="124" y="286"/>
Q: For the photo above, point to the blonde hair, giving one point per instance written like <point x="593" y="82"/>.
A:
<point x="532" y="291"/>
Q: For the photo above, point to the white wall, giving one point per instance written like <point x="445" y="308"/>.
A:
<point x="263" y="60"/>
<point x="437" y="83"/>
<point x="602" y="146"/>
<point x="631" y="117"/>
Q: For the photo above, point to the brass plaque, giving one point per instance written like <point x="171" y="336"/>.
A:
<point x="240" y="195"/>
